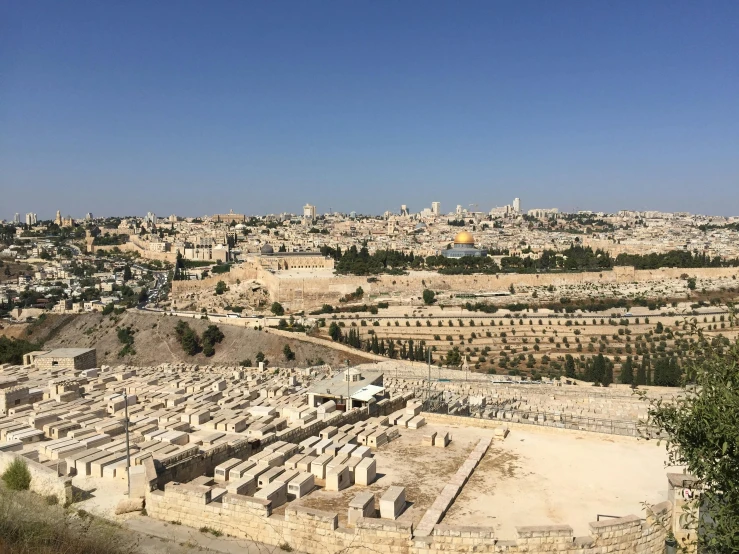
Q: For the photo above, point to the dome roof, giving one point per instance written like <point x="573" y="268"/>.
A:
<point x="267" y="249"/>
<point x="464" y="238"/>
<point x="239" y="226"/>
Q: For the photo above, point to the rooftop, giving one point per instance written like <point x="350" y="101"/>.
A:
<point x="65" y="352"/>
<point x="337" y="385"/>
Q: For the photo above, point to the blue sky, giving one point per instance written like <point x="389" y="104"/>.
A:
<point x="193" y="107"/>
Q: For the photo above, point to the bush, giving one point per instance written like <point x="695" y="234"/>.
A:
<point x="16" y="476"/>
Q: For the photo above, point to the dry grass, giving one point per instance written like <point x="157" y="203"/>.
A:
<point x="29" y="525"/>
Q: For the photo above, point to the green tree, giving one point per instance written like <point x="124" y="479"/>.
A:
<point x="108" y="309"/>
<point x="220" y="287"/>
<point x="599" y="369"/>
<point x="334" y="331"/>
<point x="17" y="477"/>
<point x="288" y="353"/>
<point x="454" y="357"/>
<point x="627" y="372"/>
<point x="213" y="334"/>
<point x="428" y="296"/>
<point x="691" y="283"/>
<point x="190" y="342"/>
<point x="702" y="434"/>
<point x="208" y="349"/>
<point x="569" y="366"/>
<point x="277" y="309"/>
<point x="127" y="273"/>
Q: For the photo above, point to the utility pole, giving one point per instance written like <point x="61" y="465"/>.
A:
<point x="128" y="447"/>
<point x="428" y="394"/>
<point x="348" y="397"/>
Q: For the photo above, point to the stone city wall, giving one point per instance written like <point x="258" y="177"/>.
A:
<point x="318" y="532"/>
<point x="241" y="272"/>
<point x="44" y="480"/>
<point x="306" y="293"/>
<point x="310" y="291"/>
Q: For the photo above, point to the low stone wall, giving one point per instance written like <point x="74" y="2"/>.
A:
<point x="561" y="421"/>
<point x="318" y="532"/>
<point x="43" y="479"/>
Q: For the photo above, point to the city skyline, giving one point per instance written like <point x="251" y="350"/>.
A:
<point x="125" y="109"/>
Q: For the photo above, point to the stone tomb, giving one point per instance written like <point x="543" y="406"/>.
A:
<point x="362" y="505"/>
<point x="392" y="503"/>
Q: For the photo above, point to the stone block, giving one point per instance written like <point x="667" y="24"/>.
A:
<point x="362" y="505"/>
<point x="245" y="486"/>
<point x="275" y="492"/>
<point x="365" y="472"/>
<point x="338" y="478"/>
<point x="442" y="440"/>
<point x="301" y="485"/>
<point x="268" y="476"/>
<point x="428" y="438"/>
<point x="221" y="472"/>
<point x="392" y="503"/>
<point x="318" y="466"/>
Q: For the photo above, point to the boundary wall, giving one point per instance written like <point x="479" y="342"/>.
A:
<point x="318" y="532"/>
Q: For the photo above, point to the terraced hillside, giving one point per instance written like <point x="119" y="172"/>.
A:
<point x="529" y="343"/>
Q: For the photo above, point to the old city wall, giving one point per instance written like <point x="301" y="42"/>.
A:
<point x="44" y="480"/>
<point x="241" y="272"/>
<point x="138" y="247"/>
<point x="318" y="532"/>
<point x="307" y="292"/>
<point x="311" y="292"/>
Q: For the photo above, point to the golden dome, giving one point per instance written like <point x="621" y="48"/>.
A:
<point x="464" y="238"/>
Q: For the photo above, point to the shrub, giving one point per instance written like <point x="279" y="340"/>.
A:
<point x="17" y="477"/>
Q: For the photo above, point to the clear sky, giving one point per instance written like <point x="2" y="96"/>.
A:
<point x="194" y="107"/>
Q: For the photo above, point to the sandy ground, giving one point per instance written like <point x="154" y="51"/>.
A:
<point x="540" y="478"/>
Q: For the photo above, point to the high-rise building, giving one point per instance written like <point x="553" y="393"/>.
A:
<point x="403" y="209"/>
<point x="17" y="218"/>
<point x="88" y="217"/>
<point x="31" y="219"/>
<point x="436" y="208"/>
<point x="517" y="205"/>
<point x="151" y="217"/>
<point x="309" y="212"/>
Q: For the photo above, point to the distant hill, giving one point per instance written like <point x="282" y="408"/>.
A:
<point x="155" y="341"/>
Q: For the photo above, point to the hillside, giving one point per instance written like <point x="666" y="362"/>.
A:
<point x="155" y="341"/>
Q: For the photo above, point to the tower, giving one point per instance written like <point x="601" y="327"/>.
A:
<point x="58" y="219"/>
<point x="517" y="205"/>
<point x="436" y="208"/>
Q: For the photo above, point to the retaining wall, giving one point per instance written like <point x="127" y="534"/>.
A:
<point x="318" y="532"/>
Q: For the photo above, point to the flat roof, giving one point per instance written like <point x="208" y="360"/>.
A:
<point x="66" y="352"/>
<point x="337" y="386"/>
<point x="366" y="393"/>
